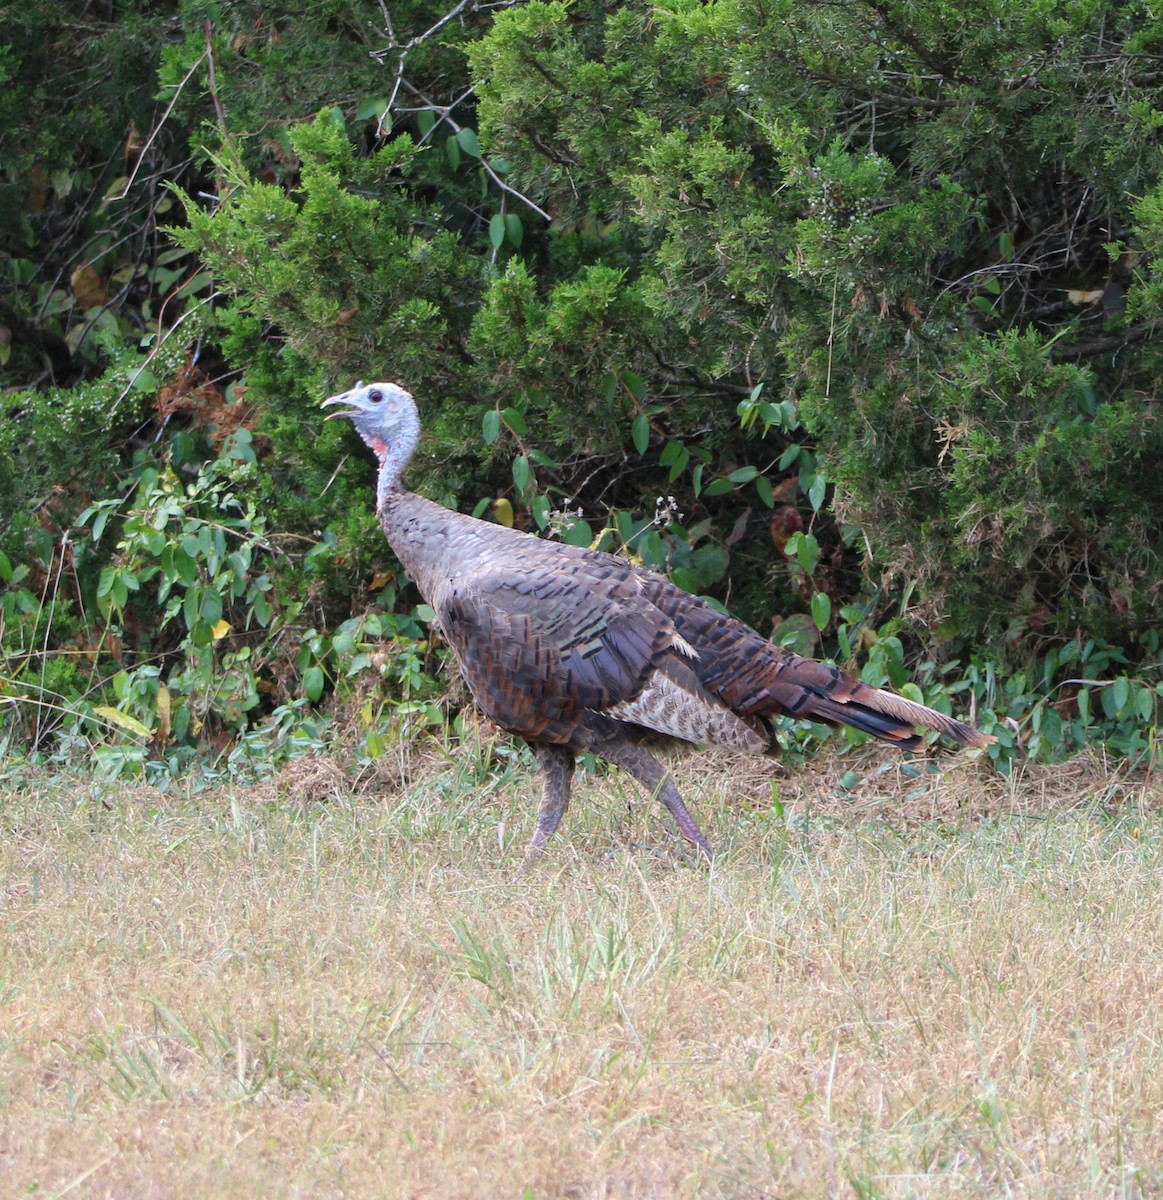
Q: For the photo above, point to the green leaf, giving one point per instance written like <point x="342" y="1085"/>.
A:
<point x="634" y="383"/>
<point x="541" y="508"/>
<point x="764" y="491"/>
<point x="821" y="610"/>
<point x="491" y="426"/>
<point x="313" y="683"/>
<point x="211" y="608"/>
<point x="816" y="492"/>
<point x="806" y="549"/>
<point x="514" y="230"/>
<point x="469" y="142"/>
<point x="743" y="474"/>
<point x="497" y="230"/>
<point x="640" y="433"/>
<point x="185" y="566"/>
<point x="1121" y="691"/>
<point x="373" y="106"/>
<point x="425" y="121"/>
<point x="609" y="386"/>
<point x="579" y="533"/>
<point x="5" y="568"/>
<point x="515" y="420"/>
<point x="521" y="473"/>
<point x="144" y="380"/>
<point x="452" y="149"/>
<point x="717" y="487"/>
<point x="115" y="716"/>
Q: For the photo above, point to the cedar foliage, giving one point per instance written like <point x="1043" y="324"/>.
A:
<point x="877" y="276"/>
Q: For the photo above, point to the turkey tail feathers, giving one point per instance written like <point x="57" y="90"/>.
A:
<point x="892" y="718"/>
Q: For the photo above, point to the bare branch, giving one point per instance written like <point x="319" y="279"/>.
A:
<point x="445" y="115"/>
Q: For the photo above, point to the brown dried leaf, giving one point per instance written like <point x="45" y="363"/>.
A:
<point x="88" y="287"/>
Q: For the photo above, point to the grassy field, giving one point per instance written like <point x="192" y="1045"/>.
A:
<point x="322" y="987"/>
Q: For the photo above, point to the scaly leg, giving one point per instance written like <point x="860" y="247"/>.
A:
<point x="556" y="763"/>
<point x="652" y="774"/>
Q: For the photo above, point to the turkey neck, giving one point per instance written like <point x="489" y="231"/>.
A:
<point x="432" y="543"/>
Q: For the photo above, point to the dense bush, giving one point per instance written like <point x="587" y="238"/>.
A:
<point x="842" y="312"/>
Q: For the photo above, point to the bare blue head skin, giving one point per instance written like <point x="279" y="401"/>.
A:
<point x="385" y="416"/>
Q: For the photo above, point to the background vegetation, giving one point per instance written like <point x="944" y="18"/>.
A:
<point x="840" y="313"/>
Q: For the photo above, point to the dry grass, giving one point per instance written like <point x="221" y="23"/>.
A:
<point x="302" y="990"/>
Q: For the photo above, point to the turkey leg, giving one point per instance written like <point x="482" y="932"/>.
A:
<point x="653" y="775"/>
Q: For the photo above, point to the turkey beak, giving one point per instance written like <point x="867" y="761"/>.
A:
<point x="353" y="411"/>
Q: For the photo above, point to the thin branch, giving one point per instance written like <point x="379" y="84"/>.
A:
<point x="1115" y="341"/>
<point x="157" y="129"/>
<point x="456" y="128"/>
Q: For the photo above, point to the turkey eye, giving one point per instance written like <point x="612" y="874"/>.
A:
<point x="375" y="395"/>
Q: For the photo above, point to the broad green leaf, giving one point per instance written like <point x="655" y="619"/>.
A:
<point x="491" y="426"/>
<point x="635" y="384"/>
<point x="373" y="106"/>
<point x="521" y="473"/>
<point x="452" y="149"/>
<point x="211" y="609"/>
<point x="5" y="568"/>
<point x="514" y="230"/>
<point x="807" y="550"/>
<point x="425" y="121"/>
<point x="199" y="283"/>
<point x="817" y="491"/>
<point x="497" y="230"/>
<point x="743" y="474"/>
<point x="640" y="433"/>
<point x="763" y="489"/>
<point x="609" y="386"/>
<point x="313" y="683"/>
<point x="143" y="381"/>
<point x="821" y="610"/>
<point x="469" y="142"/>
<point x="515" y="420"/>
<point x="579" y="533"/>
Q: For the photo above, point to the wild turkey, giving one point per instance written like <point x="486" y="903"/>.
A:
<point x="575" y="650"/>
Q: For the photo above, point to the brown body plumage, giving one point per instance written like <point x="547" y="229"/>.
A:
<point x="575" y="650"/>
